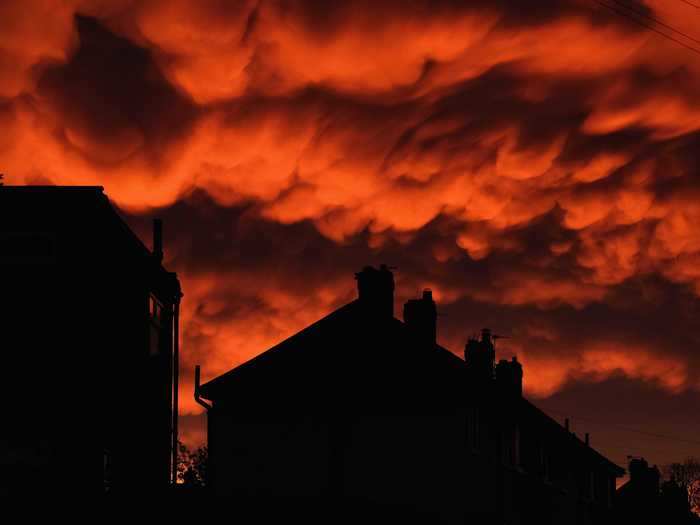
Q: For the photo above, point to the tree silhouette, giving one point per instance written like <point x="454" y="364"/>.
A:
<point x="192" y="465"/>
<point x="687" y="476"/>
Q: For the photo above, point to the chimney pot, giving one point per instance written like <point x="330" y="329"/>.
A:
<point x="420" y="316"/>
<point x="375" y="289"/>
<point x="509" y="374"/>
<point x="480" y="357"/>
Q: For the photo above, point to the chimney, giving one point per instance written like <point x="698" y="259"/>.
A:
<point x="479" y="357"/>
<point x="588" y="439"/>
<point x="375" y="289"/>
<point x="420" y="316"/>
<point x="158" y="239"/>
<point x="509" y="375"/>
<point x="566" y="424"/>
<point x="644" y="476"/>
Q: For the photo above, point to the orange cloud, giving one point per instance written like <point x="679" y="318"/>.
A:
<point x="600" y="361"/>
<point x="540" y="162"/>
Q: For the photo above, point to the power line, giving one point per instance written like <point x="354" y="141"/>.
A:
<point x="628" y="429"/>
<point x="647" y="26"/>
<point x="655" y="20"/>
<point x="622" y="452"/>
<point x="651" y="27"/>
<point x="696" y="6"/>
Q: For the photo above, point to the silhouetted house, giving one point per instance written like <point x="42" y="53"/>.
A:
<point x="88" y="335"/>
<point x="643" y="499"/>
<point x="367" y="416"/>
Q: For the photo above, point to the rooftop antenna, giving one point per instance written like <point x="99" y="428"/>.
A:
<point x="499" y="336"/>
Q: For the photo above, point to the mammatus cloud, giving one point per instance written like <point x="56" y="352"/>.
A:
<point x="536" y="163"/>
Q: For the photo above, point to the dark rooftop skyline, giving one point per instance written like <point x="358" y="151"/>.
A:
<point x="536" y="166"/>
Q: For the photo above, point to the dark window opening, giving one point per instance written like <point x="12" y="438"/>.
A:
<point x="473" y="429"/>
<point x="108" y="470"/>
<point x="157" y="323"/>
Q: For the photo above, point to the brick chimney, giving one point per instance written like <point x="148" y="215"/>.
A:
<point x="375" y="289"/>
<point x="509" y="376"/>
<point x="479" y="357"/>
<point x="420" y="316"/>
<point x="644" y="477"/>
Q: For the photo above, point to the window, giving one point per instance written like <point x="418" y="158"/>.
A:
<point x="154" y="342"/>
<point x="155" y="309"/>
<point x="544" y="462"/>
<point x="474" y="429"/>
<point x="507" y="446"/>
<point x="108" y="470"/>
<point x="510" y="446"/>
<point x="156" y="313"/>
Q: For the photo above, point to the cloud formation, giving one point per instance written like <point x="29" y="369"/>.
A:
<point x="536" y="166"/>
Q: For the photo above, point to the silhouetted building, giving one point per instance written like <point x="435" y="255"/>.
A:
<point x="89" y="338"/>
<point x="368" y="417"/>
<point x="643" y="499"/>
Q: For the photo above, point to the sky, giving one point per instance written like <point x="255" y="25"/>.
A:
<point x="534" y="163"/>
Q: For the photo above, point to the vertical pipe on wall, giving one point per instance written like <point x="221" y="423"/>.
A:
<point x="175" y="376"/>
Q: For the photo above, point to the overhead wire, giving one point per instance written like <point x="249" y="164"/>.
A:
<point x="627" y="429"/>
<point x="648" y="26"/>
<point x="696" y="6"/>
<point x="654" y="19"/>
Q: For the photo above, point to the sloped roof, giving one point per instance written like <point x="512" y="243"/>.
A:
<point x="575" y="441"/>
<point x="80" y="210"/>
<point x="335" y="347"/>
<point x="67" y="199"/>
<point x="314" y="350"/>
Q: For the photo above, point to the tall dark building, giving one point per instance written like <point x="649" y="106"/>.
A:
<point x="367" y="418"/>
<point x="89" y="343"/>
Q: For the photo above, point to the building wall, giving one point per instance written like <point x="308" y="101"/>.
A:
<point x="275" y="458"/>
<point x="75" y="346"/>
<point x="542" y="472"/>
<point x="417" y="462"/>
<point x="413" y="466"/>
<point x="430" y="466"/>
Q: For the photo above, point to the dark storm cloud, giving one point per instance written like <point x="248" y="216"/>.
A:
<point x="534" y="163"/>
<point x="111" y="99"/>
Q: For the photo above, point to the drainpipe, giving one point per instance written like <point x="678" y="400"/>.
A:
<point x="176" y="376"/>
<point x="197" y="397"/>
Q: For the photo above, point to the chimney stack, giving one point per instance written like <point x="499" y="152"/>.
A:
<point x="375" y="289"/>
<point x="480" y="356"/>
<point x="158" y="239"/>
<point x="420" y="316"/>
<point x="646" y="478"/>
<point x="509" y="375"/>
<point x="588" y="439"/>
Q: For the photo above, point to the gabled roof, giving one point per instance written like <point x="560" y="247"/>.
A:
<point x="321" y="348"/>
<point x="353" y="350"/>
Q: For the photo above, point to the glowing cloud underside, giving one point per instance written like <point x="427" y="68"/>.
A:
<point x="538" y="171"/>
